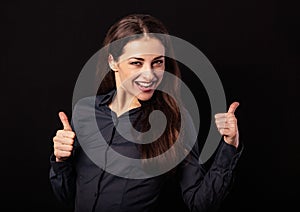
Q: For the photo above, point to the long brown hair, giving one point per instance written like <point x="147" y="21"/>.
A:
<point x="133" y="27"/>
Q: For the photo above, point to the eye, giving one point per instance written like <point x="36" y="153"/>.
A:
<point x="158" y="63"/>
<point x="135" y="63"/>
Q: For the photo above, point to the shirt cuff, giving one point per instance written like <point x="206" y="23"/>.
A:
<point x="59" y="167"/>
<point x="228" y="155"/>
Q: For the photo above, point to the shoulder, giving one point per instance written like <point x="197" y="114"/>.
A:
<point x="88" y="103"/>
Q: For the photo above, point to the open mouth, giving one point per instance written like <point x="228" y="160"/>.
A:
<point x="145" y="84"/>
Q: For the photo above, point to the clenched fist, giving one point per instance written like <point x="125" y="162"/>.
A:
<point x="63" y="140"/>
<point x="227" y="125"/>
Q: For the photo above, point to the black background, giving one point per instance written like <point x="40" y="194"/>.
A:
<point x="253" y="45"/>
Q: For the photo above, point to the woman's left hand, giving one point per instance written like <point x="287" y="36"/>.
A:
<point x="227" y="125"/>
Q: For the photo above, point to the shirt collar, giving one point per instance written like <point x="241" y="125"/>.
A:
<point x="104" y="99"/>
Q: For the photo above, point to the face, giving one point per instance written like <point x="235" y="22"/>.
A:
<point x="140" y="68"/>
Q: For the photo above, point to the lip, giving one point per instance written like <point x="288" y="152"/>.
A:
<point x="146" y="86"/>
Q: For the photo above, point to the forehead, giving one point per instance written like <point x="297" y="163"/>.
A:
<point x="143" y="46"/>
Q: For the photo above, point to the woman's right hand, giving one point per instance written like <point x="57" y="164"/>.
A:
<point x="63" y="140"/>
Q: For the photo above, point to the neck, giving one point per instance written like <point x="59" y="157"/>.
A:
<point x="123" y="102"/>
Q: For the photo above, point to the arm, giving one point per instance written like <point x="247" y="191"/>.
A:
<point x="63" y="180"/>
<point x="205" y="187"/>
<point x="62" y="172"/>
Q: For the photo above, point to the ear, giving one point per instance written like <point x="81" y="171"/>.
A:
<point x="112" y="63"/>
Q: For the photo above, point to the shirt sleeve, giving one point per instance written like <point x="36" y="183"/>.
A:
<point x="205" y="187"/>
<point x="62" y="177"/>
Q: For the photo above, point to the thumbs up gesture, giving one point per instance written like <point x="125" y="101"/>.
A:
<point x="63" y="140"/>
<point x="227" y="125"/>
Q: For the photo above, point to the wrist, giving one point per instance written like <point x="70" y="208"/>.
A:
<point x="234" y="141"/>
<point x="58" y="160"/>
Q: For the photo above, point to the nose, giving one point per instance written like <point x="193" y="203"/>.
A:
<point x="147" y="72"/>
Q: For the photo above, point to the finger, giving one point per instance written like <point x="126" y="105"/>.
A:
<point x="64" y="120"/>
<point x="224" y="117"/>
<point x="62" y="154"/>
<point x="220" y="115"/>
<point x="65" y="141"/>
<point x="65" y="134"/>
<point x="220" y="120"/>
<point x="225" y="132"/>
<point x="62" y="147"/>
<point x="226" y="125"/>
<point x="231" y="120"/>
<point x="233" y="107"/>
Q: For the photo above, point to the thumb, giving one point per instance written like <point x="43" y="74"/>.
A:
<point x="64" y="121"/>
<point x="233" y="107"/>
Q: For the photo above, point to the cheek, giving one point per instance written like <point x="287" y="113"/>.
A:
<point x="126" y="74"/>
<point x="159" y="74"/>
<point x="127" y="78"/>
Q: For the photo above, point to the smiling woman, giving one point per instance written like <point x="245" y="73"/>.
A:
<point x="138" y="72"/>
<point x="134" y="87"/>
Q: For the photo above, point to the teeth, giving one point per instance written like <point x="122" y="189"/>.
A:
<point x="145" y="84"/>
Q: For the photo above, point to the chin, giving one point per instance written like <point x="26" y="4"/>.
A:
<point x="145" y="96"/>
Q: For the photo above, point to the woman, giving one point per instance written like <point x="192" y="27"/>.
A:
<point x="134" y="87"/>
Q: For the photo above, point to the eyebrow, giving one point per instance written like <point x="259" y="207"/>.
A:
<point x="142" y="59"/>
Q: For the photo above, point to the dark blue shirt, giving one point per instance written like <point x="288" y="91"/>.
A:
<point x="83" y="184"/>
